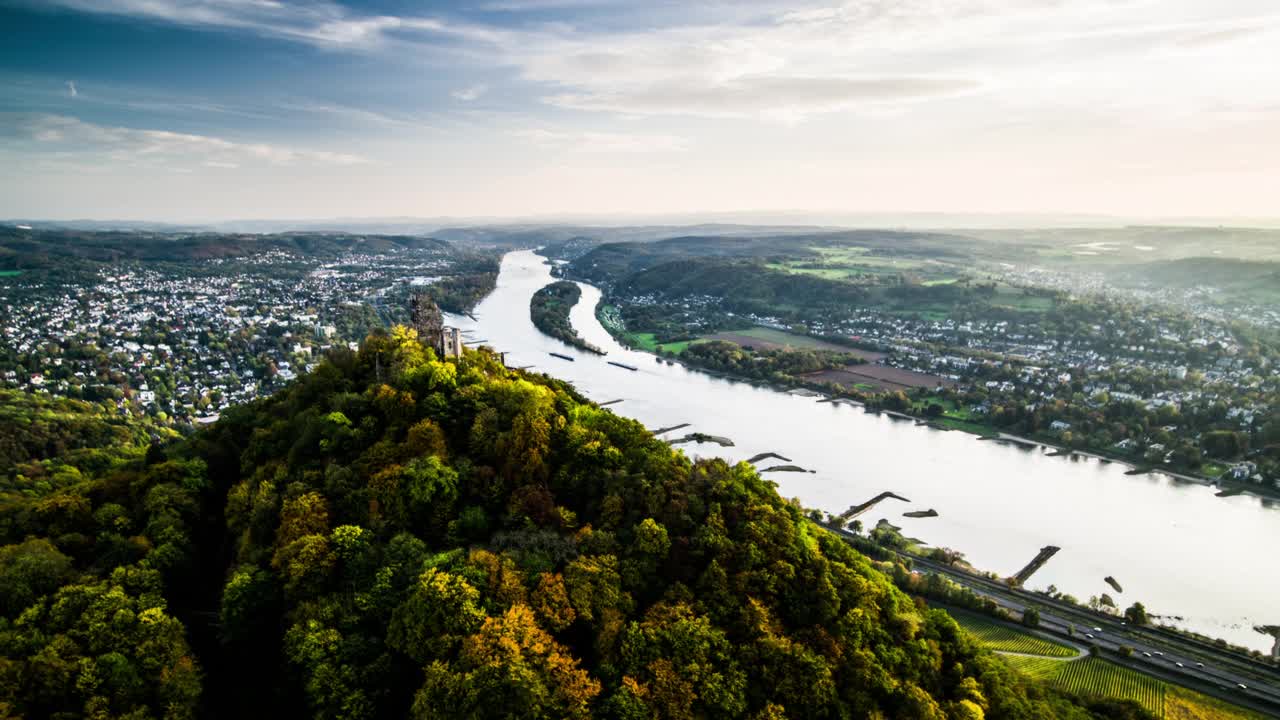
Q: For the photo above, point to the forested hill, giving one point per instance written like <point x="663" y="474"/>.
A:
<point x="27" y="249"/>
<point x="394" y="536"/>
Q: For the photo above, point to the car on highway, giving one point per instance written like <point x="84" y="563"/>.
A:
<point x="1242" y="686"/>
<point x="1097" y="630"/>
<point x="1089" y="635"/>
<point x="1180" y="665"/>
<point x="1146" y="654"/>
<point x="1200" y="665"/>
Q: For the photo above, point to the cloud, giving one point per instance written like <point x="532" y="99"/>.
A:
<point x="71" y="88"/>
<point x="42" y="134"/>
<point x="318" y="22"/>
<point x="601" y="142"/>
<point x="469" y="94"/>
<point x="787" y="59"/>
<point x="778" y="97"/>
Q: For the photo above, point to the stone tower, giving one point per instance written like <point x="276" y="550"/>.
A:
<point x="425" y="317"/>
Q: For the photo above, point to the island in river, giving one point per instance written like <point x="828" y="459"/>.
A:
<point x="549" y="310"/>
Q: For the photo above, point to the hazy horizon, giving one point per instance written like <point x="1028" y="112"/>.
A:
<point x="221" y="110"/>
<point x="922" y="220"/>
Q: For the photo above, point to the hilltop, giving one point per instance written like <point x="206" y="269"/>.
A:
<point x="392" y="535"/>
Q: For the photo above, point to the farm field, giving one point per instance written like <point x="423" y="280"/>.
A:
<point x="1004" y="638"/>
<point x="769" y="338"/>
<point x="880" y="376"/>
<point x="1183" y="704"/>
<point x="1096" y="677"/>
<point x="844" y="263"/>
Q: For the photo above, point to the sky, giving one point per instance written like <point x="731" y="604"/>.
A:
<point x="203" y="110"/>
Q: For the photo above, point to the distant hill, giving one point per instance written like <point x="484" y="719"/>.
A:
<point x="27" y="249"/>
<point x="1250" y="281"/>
<point x="613" y="261"/>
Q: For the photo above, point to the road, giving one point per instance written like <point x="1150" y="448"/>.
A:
<point x="1180" y="660"/>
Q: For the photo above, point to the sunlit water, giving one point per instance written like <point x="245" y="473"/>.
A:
<point x="1172" y="545"/>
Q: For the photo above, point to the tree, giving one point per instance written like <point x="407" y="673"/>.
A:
<point x="510" y="663"/>
<point x="1136" y="614"/>
<point x="1225" y="444"/>
<point x="1031" y="617"/>
<point x="442" y="609"/>
<point x="28" y="571"/>
<point x="106" y="648"/>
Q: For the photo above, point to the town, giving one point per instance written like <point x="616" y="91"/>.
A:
<point x="1148" y="380"/>
<point x="181" y="341"/>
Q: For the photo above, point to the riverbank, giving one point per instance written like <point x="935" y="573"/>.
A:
<point x="997" y="505"/>
<point x="944" y="422"/>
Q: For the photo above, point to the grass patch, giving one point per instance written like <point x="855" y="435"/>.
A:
<point x="645" y="341"/>
<point x="10" y="273"/>
<point x="679" y="347"/>
<point x="1098" y="678"/>
<point x="1212" y="469"/>
<point x="649" y="343"/>
<point x="1005" y="638"/>
<point x="1183" y="704"/>
<point x="1015" y="299"/>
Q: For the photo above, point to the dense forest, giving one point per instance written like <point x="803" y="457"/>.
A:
<point x="395" y="536"/>
<point x="778" y="365"/>
<point x="549" y="309"/>
<point x="461" y="293"/>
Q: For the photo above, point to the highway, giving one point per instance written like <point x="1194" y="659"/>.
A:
<point x="1171" y="657"/>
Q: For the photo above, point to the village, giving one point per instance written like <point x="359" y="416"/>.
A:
<point x="1155" y="387"/>
<point x="183" y="341"/>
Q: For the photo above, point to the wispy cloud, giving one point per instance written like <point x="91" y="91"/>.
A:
<point x="469" y="94"/>
<point x="318" y="22"/>
<point x="63" y="134"/>
<point x="358" y="115"/>
<point x="778" y="97"/>
<point x="771" y="59"/>
<point x="71" y="88"/>
<point x="601" y="142"/>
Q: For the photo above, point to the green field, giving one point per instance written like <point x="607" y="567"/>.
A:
<point x="1005" y="638"/>
<point x="10" y="273"/>
<point x="1183" y="704"/>
<point x="848" y="262"/>
<point x="649" y="343"/>
<point x="1017" y="300"/>
<point x="1096" y="677"/>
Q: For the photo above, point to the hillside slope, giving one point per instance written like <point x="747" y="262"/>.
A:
<point x="395" y="536"/>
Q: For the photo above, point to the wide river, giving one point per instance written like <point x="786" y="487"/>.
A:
<point x="1171" y="544"/>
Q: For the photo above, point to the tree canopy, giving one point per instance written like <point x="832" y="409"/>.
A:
<point x="398" y="536"/>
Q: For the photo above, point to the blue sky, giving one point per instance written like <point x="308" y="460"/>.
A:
<point x="215" y="109"/>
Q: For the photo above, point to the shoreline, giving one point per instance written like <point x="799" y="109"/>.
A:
<point x="1231" y="487"/>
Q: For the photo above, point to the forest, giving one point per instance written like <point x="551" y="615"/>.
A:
<point x="461" y="293"/>
<point x="396" y="536"/>
<point x="549" y="310"/>
<point x="778" y="365"/>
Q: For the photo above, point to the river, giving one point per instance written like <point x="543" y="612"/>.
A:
<point x="1171" y="544"/>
